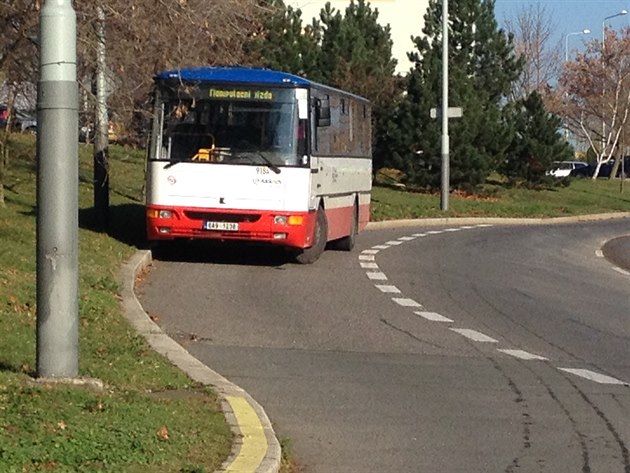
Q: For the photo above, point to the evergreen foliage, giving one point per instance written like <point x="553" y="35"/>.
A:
<point x="536" y="143"/>
<point x="350" y="51"/>
<point x="482" y="67"/>
<point x="286" y="45"/>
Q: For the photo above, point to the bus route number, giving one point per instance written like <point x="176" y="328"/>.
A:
<point x="262" y="170"/>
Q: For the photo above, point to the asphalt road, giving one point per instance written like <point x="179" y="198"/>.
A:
<point x="459" y="349"/>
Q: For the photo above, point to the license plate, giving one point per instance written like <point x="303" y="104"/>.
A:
<point x="223" y="226"/>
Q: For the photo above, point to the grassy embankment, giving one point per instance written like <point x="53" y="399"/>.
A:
<point x="150" y="417"/>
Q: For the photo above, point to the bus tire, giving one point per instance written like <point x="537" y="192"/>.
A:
<point x="347" y="243"/>
<point x="312" y="254"/>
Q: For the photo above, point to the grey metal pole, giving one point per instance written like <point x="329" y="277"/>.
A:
<point x="57" y="194"/>
<point x="445" y="138"/>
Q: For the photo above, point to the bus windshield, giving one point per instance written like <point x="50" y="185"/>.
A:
<point x="232" y="131"/>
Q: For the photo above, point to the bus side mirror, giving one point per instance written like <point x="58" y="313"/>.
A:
<point x="322" y="111"/>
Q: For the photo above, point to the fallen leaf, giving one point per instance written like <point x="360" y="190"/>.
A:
<point x="162" y="434"/>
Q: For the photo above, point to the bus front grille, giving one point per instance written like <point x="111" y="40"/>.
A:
<point x="222" y="217"/>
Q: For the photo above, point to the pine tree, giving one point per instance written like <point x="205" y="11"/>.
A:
<point x="482" y="67"/>
<point x="536" y="143"/>
<point x="286" y="45"/>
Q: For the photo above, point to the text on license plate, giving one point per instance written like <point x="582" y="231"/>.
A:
<point x="225" y="226"/>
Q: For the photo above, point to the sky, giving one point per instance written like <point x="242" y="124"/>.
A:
<point x="569" y="16"/>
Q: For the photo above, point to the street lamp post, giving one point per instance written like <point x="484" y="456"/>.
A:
<point x="566" y="59"/>
<point x="445" y="145"/>
<point x="621" y="13"/>
<point x="566" y="41"/>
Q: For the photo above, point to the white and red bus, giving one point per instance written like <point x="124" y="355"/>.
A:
<point x="258" y="155"/>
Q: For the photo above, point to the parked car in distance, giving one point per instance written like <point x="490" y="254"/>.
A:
<point x="604" y="171"/>
<point x="21" y="120"/>
<point x="565" y="168"/>
<point x="25" y="122"/>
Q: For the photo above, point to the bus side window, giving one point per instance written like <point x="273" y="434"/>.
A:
<point x="322" y="111"/>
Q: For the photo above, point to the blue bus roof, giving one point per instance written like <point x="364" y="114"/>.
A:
<point x="240" y="75"/>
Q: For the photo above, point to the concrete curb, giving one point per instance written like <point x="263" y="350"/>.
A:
<point x="256" y="448"/>
<point x="494" y="221"/>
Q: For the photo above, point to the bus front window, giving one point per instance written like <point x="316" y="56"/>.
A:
<point x="237" y="132"/>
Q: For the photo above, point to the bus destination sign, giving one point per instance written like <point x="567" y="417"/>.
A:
<point x="236" y="94"/>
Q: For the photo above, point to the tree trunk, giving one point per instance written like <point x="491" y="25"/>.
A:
<point x="3" y="147"/>
<point x="615" y="168"/>
<point x="101" y="139"/>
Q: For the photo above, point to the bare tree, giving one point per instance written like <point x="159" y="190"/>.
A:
<point x="533" y="31"/>
<point x="143" y="37"/>
<point x="594" y="94"/>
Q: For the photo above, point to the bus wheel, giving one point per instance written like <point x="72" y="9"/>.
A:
<point x="312" y="254"/>
<point x="347" y="243"/>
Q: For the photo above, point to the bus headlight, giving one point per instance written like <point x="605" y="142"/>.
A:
<point x="155" y="213"/>
<point x="280" y="219"/>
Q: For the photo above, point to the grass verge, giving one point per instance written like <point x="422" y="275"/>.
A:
<point x="149" y="417"/>
<point x="581" y="197"/>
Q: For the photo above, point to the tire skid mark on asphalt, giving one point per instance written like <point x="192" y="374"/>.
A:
<point x="367" y="261"/>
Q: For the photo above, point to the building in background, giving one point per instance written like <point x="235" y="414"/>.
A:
<point x="405" y="18"/>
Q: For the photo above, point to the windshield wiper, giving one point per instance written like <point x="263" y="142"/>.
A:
<point x="171" y="164"/>
<point x="271" y="165"/>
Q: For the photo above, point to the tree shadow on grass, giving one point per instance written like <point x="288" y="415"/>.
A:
<point x="125" y="223"/>
<point x="6" y="367"/>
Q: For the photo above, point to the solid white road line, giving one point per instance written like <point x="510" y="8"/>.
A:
<point x="521" y="354"/>
<point x="593" y="376"/>
<point x="474" y="335"/>
<point x="622" y="271"/>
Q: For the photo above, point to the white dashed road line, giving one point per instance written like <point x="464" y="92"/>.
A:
<point x="521" y="354"/>
<point x="390" y="289"/>
<point x="367" y="265"/>
<point x="434" y="317"/>
<point x="474" y="335"/>
<point x="367" y="261"/>
<point x="593" y="376"/>
<point x="406" y="302"/>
